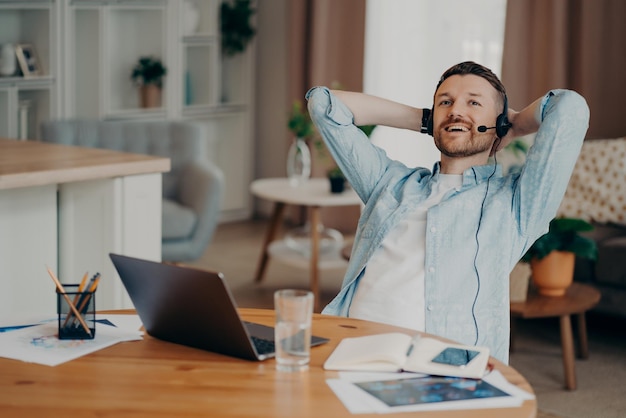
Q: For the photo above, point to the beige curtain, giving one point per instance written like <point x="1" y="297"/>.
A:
<point x="326" y="46"/>
<point x="574" y="44"/>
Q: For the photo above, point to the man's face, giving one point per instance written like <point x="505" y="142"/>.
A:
<point x="462" y="104"/>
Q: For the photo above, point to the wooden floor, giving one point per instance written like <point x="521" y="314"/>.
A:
<point x="235" y="251"/>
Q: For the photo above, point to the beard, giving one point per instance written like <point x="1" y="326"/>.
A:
<point x="477" y="143"/>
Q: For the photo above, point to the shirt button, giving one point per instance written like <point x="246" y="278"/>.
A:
<point x="431" y="269"/>
<point x="430" y="307"/>
<point x="433" y="229"/>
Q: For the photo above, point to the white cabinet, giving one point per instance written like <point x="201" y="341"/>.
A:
<point x="217" y="91"/>
<point x="26" y="100"/>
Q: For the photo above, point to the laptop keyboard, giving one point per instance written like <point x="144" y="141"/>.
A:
<point x="263" y="346"/>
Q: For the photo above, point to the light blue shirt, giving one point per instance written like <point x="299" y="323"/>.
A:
<point x="468" y="257"/>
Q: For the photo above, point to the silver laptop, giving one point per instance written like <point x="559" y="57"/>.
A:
<point x="194" y="308"/>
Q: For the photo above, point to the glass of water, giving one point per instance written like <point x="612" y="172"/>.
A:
<point x="294" y="310"/>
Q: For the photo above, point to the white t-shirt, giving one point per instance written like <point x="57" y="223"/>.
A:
<point x="392" y="288"/>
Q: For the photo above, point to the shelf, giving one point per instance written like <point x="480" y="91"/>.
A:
<point x="153" y="113"/>
<point x="330" y="260"/>
<point x="22" y="82"/>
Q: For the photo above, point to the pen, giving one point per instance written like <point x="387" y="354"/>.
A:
<point x="67" y="299"/>
<point x="413" y="342"/>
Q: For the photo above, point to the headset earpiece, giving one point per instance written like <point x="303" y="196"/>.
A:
<point x="429" y="125"/>
<point x="502" y="121"/>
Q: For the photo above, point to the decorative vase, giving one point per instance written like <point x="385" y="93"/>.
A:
<point x="554" y="273"/>
<point x="24" y="118"/>
<point x="150" y="96"/>
<point x="190" y="17"/>
<point x="298" y="162"/>
<point x="8" y="61"/>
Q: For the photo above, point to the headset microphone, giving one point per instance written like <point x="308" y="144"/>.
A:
<point x="483" y="128"/>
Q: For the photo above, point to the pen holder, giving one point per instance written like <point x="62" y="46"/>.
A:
<point x="77" y="313"/>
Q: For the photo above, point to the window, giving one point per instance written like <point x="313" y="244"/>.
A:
<point x="410" y="43"/>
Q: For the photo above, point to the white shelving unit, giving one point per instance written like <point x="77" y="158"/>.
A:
<point x="87" y="49"/>
<point x="27" y="101"/>
<point x="217" y="91"/>
<point x="104" y="39"/>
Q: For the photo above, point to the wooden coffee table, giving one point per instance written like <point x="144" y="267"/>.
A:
<point x="578" y="299"/>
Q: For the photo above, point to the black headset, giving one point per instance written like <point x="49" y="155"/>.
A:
<point x="502" y="121"/>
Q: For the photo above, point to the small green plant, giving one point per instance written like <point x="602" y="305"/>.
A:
<point x="335" y="173"/>
<point x="235" y="26"/>
<point x="300" y="122"/>
<point x="563" y="235"/>
<point x="148" y="70"/>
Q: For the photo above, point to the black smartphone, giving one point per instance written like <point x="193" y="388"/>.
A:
<point x="455" y="356"/>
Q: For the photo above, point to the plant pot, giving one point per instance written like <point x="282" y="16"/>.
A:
<point x="150" y="96"/>
<point x="554" y="273"/>
<point x="337" y="184"/>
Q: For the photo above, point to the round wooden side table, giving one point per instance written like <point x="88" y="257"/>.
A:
<point x="578" y="299"/>
<point x="314" y="194"/>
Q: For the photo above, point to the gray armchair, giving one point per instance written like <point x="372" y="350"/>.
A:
<point x="192" y="190"/>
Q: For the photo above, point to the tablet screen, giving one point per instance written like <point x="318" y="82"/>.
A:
<point x="455" y="356"/>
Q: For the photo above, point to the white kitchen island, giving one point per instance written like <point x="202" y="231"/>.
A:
<point x="67" y="208"/>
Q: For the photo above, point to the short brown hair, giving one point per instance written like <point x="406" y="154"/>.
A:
<point x="470" y="67"/>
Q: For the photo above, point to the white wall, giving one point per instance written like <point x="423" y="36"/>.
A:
<point x="410" y="43"/>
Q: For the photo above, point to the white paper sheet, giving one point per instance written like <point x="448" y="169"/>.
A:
<point x="40" y="344"/>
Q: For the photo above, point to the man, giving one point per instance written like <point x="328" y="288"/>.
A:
<point x="434" y="249"/>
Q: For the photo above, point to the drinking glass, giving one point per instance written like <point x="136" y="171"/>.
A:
<point x="294" y="310"/>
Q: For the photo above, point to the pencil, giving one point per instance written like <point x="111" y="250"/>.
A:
<point x="67" y="299"/>
<point x="92" y="288"/>
<point x="80" y="289"/>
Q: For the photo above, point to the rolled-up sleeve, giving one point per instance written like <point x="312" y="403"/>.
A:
<point x="564" y="119"/>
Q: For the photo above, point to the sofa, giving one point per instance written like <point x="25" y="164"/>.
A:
<point x="597" y="193"/>
<point x="192" y="190"/>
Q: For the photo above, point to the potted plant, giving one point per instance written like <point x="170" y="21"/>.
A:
<point x="552" y="256"/>
<point x="148" y="74"/>
<point x="235" y="26"/>
<point x="337" y="180"/>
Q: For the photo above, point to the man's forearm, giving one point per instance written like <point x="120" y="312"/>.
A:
<point x="525" y="121"/>
<point x="372" y="110"/>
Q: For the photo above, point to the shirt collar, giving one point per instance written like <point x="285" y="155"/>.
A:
<point x="475" y="174"/>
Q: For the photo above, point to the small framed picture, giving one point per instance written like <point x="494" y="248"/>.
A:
<point x="28" y="60"/>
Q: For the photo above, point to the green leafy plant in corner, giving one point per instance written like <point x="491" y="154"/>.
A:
<point x="563" y="235"/>
<point x="235" y="26"/>
<point x="148" y="70"/>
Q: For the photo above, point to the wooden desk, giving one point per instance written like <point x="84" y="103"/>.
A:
<point x="153" y="378"/>
<point x="578" y="299"/>
<point x="314" y="194"/>
<point x="68" y="207"/>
